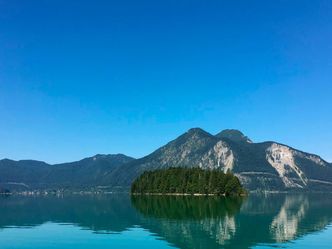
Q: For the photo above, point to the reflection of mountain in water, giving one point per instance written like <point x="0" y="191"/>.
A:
<point x="300" y="215"/>
<point x="285" y="225"/>
<point x="227" y="223"/>
<point x="111" y="213"/>
<point x="189" y="222"/>
<point x="185" y="222"/>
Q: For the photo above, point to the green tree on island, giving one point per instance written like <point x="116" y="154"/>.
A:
<point x="187" y="181"/>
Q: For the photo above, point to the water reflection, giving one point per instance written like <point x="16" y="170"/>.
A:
<point x="190" y="222"/>
<point x="112" y="213"/>
<point x="285" y="224"/>
<point x="186" y="207"/>
<point x="184" y="222"/>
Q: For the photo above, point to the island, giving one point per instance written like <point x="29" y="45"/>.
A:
<point x="187" y="181"/>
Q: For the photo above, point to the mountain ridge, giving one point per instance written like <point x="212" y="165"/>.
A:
<point x="241" y="158"/>
<point x="31" y="174"/>
<point x="263" y="166"/>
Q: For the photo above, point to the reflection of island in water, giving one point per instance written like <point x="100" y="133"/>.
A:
<point x="190" y="222"/>
<point x="185" y="222"/>
<point x="223" y="223"/>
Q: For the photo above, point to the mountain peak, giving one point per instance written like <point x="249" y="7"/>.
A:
<point x="198" y="132"/>
<point x="233" y="135"/>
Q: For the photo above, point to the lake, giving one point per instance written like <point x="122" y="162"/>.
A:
<point x="122" y="221"/>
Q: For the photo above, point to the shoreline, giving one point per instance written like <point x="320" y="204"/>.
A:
<point x="68" y="192"/>
<point x="185" y="194"/>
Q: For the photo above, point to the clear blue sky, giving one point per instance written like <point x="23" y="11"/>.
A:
<point x="84" y="77"/>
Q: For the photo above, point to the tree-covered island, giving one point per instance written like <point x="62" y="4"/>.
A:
<point x="187" y="181"/>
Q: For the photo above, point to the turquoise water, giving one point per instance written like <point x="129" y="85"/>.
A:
<point x="55" y="235"/>
<point x="121" y="221"/>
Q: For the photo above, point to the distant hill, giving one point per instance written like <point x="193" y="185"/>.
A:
<point x="86" y="173"/>
<point x="259" y="166"/>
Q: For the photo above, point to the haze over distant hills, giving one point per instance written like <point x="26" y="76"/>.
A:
<point x="259" y="166"/>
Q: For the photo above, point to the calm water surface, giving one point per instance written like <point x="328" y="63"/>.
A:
<point x="119" y="221"/>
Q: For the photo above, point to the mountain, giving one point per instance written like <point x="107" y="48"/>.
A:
<point x="260" y="166"/>
<point x="30" y="174"/>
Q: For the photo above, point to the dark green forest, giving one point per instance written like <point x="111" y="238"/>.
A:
<point x="187" y="181"/>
